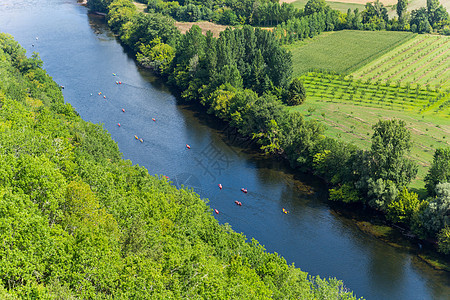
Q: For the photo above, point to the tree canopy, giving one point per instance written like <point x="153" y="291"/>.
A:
<point x="77" y="221"/>
<point x="439" y="171"/>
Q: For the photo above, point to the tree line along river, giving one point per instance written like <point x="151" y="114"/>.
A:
<point x="81" y="53"/>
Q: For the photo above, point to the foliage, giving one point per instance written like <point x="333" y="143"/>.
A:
<point x="296" y="93"/>
<point x="156" y="55"/>
<point x="435" y="217"/>
<point x="444" y="240"/>
<point x="419" y="21"/>
<point x="99" y="5"/>
<point x="342" y="105"/>
<point x="391" y="141"/>
<point x="401" y="8"/>
<point x="263" y="12"/>
<point x="437" y="14"/>
<point x="241" y="78"/>
<point x="345" y="193"/>
<point x="120" y="12"/>
<point x="315" y="6"/>
<point x="404" y="207"/>
<point x="299" y="139"/>
<point x="143" y="28"/>
<point x="439" y="171"/>
<point x="78" y="222"/>
<point x="381" y="193"/>
<point x="374" y="15"/>
<point x="247" y="57"/>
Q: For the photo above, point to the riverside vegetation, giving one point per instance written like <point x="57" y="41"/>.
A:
<point x="77" y="221"/>
<point x="244" y="78"/>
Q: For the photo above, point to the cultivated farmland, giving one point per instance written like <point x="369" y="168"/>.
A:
<point x="344" y="51"/>
<point x="350" y="107"/>
<point x="424" y="60"/>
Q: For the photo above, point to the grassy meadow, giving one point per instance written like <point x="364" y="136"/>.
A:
<point x="424" y="60"/>
<point x="344" y="51"/>
<point x="349" y="108"/>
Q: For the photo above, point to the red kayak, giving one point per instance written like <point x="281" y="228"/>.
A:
<point x="216" y="211"/>
<point x="220" y="186"/>
<point x="187" y="146"/>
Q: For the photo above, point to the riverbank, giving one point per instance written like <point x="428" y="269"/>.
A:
<point x="375" y="225"/>
<point x="309" y="236"/>
<point x="215" y="73"/>
<point x="424" y="250"/>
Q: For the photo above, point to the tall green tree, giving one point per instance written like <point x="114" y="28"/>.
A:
<point x="439" y="171"/>
<point x="375" y="14"/>
<point x="444" y="240"/>
<point x="419" y="21"/>
<point x="297" y="93"/>
<point x="437" y="214"/>
<point x="99" y="5"/>
<point x="391" y="142"/>
<point x="299" y="139"/>
<point x="437" y="14"/>
<point x="401" y="8"/>
<point x="315" y="6"/>
<point x="432" y="6"/>
<point x="404" y="207"/>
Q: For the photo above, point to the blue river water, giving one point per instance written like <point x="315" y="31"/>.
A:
<point x="81" y="54"/>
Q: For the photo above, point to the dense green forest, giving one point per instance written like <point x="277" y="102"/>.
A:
<point x="77" y="221"/>
<point x="244" y="78"/>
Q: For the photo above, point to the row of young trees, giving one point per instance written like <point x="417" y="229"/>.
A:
<point x="78" y="222"/>
<point x="271" y="13"/>
<point x="228" y="12"/>
<point x="373" y="17"/>
<point x="244" y="76"/>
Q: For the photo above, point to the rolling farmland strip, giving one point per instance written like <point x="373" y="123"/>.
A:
<point x="404" y="49"/>
<point x="413" y="59"/>
<point x="425" y="61"/>
<point x="330" y="51"/>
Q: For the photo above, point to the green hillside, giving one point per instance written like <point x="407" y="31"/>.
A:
<point x="78" y="222"/>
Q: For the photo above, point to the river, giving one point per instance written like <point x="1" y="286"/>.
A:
<point x="81" y="54"/>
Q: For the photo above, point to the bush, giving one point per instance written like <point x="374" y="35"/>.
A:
<point x="346" y="193"/>
<point x="444" y="240"/>
<point x="296" y="94"/>
<point x="403" y="207"/>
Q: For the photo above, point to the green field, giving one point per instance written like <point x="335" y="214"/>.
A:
<point x="340" y="6"/>
<point x="344" y="51"/>
<point x="424" y="60"/>
<point x="349" y="108"/>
